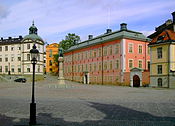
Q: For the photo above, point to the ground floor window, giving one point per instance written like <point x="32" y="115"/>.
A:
<point x="159" y="81"/>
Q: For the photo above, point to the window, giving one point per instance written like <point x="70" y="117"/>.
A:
<point x="105" y="51"/>
<point x="90" y="67"/>
<point x="6" y="68"/>
<point x="159" y="69"/>
<point x="159" y="52"/>
<point x="19" y="68"/>
<point x="86" y="67"/>
<point x="140" y="49"/>
<point x="12" y="69"/>
<point x="140" y="63"/>
<point x="90" y="53"/>
<point x="100" y="66"/>
<point x="6" y="48"/>
<point x="12" y="57"/>
<point x="99" y="52"/>
<point x="38" y="57"/>
<point x="0" y="48"/>
<point x="130" y="48"/>
<point x="105" y="66"/>
<point x="130" y="64"/>
<point x="110" y="65"/>
<point x="148" y="63"/>
<point x="110" y="50"/>
<point x="0" y="58"/>
<point x="19" y="57"/>
<point x="117" y="64"/>
<point x="159" y="82"/>
<point x="12" y="48"/>
<point x="6" y="58"/>
<point x="148" y="49"/>
<point x="50" y="62"/>
<point x="28" y="46"/>
<point x="28" y="57"/>
<point x="38" y="68"/>
<point x="117" y="49"/>
<point x="19" y="47"/>
<point x="0" y="68"/>
<point x="95" y="53"/>
<point x="95" y="66"/>
<point x="50" y="53"/>
<point x="28" y="69"/>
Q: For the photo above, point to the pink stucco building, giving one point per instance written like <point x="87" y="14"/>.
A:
<point x="110" y="59"/>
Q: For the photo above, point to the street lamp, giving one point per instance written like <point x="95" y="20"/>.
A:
<point x="34" y="54"/>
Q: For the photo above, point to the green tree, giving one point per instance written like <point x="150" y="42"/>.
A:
<point x="70" y="40"/>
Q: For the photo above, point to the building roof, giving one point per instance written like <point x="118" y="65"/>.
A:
<point x="33" y="37"/>
<point x="33" y="33"/>
<point x="10" y="40"/>
<point x="109" y="36"/>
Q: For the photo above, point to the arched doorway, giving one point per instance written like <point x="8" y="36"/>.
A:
<point x="136" y="81"/>
<point x="159" y="81"/>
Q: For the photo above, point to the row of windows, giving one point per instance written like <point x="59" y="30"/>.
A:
<point x="7" y="48"/>
<point x="110" y="65"/>
<point x="140" y="48"/>
<point x="6" y="59"/>
<point x="12" y="48"/>
<point x="6" y="68"/>
<point x="18" y="58"/>
<point x="94" y="67"/>
<point x="97" y="78"/>
<point x="107" y="50"/>
<point x="140" y="64"/>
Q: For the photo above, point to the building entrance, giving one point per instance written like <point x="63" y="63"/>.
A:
<point x="136" y="81"/>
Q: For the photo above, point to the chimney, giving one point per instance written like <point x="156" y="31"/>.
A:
<point x="108" y="31"/>
<point x="123" y="26"/>
<point x="173" y="14"/>
<point x="90" y="37"/>
<point x="20" y="37"/>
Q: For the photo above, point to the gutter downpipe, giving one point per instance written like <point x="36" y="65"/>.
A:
<point x="168" y="65"/>
<point x="102" y="63"/>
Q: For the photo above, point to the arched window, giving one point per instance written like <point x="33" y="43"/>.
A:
<point x="159" y="81"/>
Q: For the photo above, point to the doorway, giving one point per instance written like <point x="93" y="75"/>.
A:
<point x="136" y="81"/>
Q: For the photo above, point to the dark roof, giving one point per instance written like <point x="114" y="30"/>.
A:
<point x="162" y="28"/>
<point x="10" y="40"/>
<point x="109" y="37"/>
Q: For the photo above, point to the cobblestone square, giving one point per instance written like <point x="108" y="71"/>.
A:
<point x="76" y="104"/>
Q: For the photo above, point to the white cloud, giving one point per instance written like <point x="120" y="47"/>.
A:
<point x="53" y="16"/>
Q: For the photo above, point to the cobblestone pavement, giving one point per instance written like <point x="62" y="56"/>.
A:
<point x="76" y="104"/>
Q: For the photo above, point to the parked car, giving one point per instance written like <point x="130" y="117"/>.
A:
<point x="23" y="80"/>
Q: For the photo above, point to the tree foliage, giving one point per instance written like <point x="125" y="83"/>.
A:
<point x="70" y="40"/>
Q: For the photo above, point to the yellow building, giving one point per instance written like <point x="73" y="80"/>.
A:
<point x="51" y="65"/>
<point x="162" y="51"/>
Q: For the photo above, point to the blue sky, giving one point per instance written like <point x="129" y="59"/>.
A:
<point x="55" y="18"/>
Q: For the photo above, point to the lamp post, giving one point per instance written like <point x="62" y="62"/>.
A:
<point x="34" y="54"/>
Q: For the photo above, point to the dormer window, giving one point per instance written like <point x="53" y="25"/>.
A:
<point x="160" y="38"/>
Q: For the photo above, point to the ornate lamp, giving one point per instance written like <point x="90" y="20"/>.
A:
<point x="34" y="54"/>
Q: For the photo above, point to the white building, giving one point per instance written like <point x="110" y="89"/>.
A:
<point x="15" y="56"/>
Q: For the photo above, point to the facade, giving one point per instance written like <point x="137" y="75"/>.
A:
<point x="163" y="55"/>
<point x="51" y="65"/>
<point x="10" y="55"/>
<point x="15" y="54"/>
<point x="108" y="58"/>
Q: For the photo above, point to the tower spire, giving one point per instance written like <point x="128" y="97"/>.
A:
<point x="33" y="22"/>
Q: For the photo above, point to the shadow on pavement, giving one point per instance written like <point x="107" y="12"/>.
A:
<point x="116" y="115"/>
